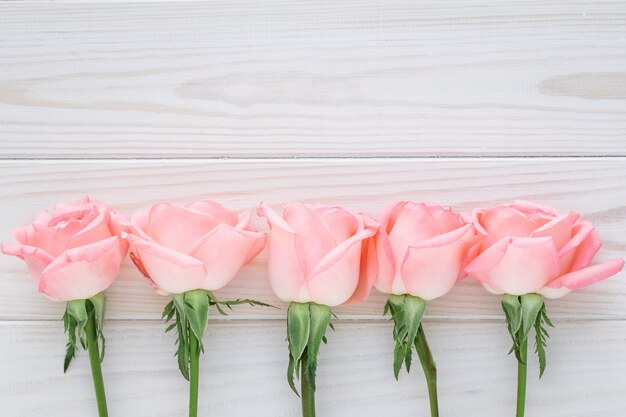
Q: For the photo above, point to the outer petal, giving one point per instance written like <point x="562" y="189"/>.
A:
<point x="587" y="276"/>
<point x="224" y="251"/>
<point x="432" y="267"/>
<point x="171" y="271"/>
<point x="368" y="271"/>
<point x="385" y="262"/>
<point x="286" y="277"/>
<point x="312" y="239"/>
<point x="36" y="259"/>
<point x="340" y="223"/>
<point x="82" y="272"/>
<point x="560" y="228"/>
<point x="334" y="279"/>
<point x="516" y="265"/>
<point x="177" y="227"/>
<point x="215" y="210"/>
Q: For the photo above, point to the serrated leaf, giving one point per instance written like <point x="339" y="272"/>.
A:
<point x="290" y="375"/>
<point x="320" y="318"/>
<point x="399" y="353"/>
<point x="69" y="323"/>
<point x="170" y="327"/>
<point x="298" y="328"/>
<point x="541" y="335"/>
<point x="168" y="311"/>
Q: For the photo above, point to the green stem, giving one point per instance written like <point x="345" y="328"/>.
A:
<point x="307" y="391"/>
<point x="194" y="371"/>
<point x="521" y="378"/>
<point x="430" y="370"/>
<point x="94" y="359"/>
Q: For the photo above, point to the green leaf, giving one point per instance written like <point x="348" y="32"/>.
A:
<point x="298" y="327"/>
<point x="531" y="305"/>
<point x="290" y="374"/>
<point x="399" y="353"/>
<point x="168" y="311"/>
<point x="69" y="323"/>
<point x="320" y="318"/>
<point x="541" y="335"/>
<point x="182" y="352"/>
<point x="197" y="311"/>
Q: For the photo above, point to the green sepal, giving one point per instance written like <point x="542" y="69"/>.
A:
<point x="306" y="328"/>
<point x="320" y="319"/>
<point x="298" y="327"/>
<point x="407" y="312"/>
<point x="513" y="314"/>
<point x="522" y="314"/>
<point x="197" y="310"/>
<point x="531" y="305"/>
<point x="78" y="310"/>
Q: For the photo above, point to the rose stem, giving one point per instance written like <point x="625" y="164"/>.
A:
<point x="194" y="358"/>
<point x="521" y="378"/>
<point x="94" y="359"/>
<point x="307" y="390"/>
<point x="430" y="369"/>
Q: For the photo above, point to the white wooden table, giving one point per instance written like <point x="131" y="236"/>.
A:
<point x="355" y="103"/>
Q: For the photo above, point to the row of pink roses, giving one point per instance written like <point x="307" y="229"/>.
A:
<point x="317" y="253"/>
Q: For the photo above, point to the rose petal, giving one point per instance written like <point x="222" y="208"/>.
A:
<point x="36" y="259"/>
<point x="82" y="272"/>
<point x="312" y="239"/>
<point x="334" y="279"/>
<point x="432" y="267"/>
<point x="224" y="251"/>
<point x="171" y="271"/>
<point x="560" y="228"/>
<point x="178" y="228"/>
<point x="516" y="265"/>
<point x="215" y="210"/>
<point x="589" y="275"/>
<point x="339" y="223"/>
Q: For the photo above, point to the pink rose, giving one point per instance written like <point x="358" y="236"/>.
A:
<point x="315" y="252"/>
<point x="73" y="253"/>
<point x="528" y="248"/>
<point x="197" y="246"/>
<point x="421" y="249"/>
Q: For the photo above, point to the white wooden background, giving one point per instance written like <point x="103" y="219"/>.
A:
<point x="358" y="103"/>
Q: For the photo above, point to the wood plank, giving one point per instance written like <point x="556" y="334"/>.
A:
<point x="239" y="78"/>
<point x="594" y="186"/>
<point x="243" y="372"/>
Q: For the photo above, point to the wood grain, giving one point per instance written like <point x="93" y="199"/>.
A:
<point x="243" y="372"/>
<point x="316" y="78"/>
<point x="594" y="186"/>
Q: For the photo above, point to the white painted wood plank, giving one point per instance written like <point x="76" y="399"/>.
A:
<point x="240" y="78"/>
<point x="243" y="372"/>
<point x="594" y="186"/>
